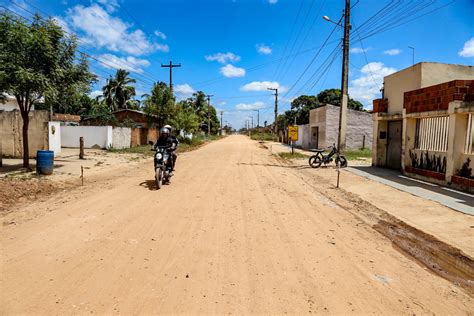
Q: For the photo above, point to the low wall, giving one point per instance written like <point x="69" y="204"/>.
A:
<point x="94" y="136"/>
<point x="11" y="133"/>
<point x="121" y="137"/>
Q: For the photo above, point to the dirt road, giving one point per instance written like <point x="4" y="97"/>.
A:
<point x="236" y="232"/>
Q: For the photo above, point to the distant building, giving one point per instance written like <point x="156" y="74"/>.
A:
<point x="11" y="104"/>
<point x="323" y="128"/>
<point x="424" y="122"/>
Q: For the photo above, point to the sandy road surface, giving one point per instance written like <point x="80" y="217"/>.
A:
<point x="236" y="232"/>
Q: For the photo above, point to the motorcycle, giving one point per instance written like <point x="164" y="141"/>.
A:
<point x="319" y="158"/>
<point x="163" y="165"/>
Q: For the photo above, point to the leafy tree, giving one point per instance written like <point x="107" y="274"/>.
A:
<point x="185" y="119"/>
<point x="300" y="108"/>
<point x="160" y="103"/>
<point x="198" y="103"/>
<point x="118" y="92"/>
<point x="333" y="96"/>
<point x="36" y="60"/>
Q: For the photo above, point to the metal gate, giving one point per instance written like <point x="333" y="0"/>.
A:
<point x="394" y="145"/>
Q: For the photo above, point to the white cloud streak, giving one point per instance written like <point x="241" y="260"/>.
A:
<point x="263" y="49"/>
<point x="128" y="63"/>
<point x="392" y="52"/>
<point x="183" y="91"/>
<point x="468" y="49"/>
<point x="231" y="71"/>
<point x="250" y="106"/>
<point x="263" y="86"/>
<point x="223" y="58"/>
<point x="98" y="28"/>
<point x="367" y="87"/>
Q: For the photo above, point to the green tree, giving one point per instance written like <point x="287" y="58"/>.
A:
<point x="160" y="103"/>
<point x="185" y="119"/>
<point x="300" y="108"/>
<point x="36" y="59"/>
<point x="333" y="96"/>
<point x="118" y="92"/>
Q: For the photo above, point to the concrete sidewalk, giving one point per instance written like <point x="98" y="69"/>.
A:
<point x="456" y="200"/>
<point x="442" y="212"/>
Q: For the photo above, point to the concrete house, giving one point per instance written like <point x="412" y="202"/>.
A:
<point x="423" y="124"/>
<point x="323" y="128"/>
<point x="11" y="104"/>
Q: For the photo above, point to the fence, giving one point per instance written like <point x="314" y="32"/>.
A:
<point x="432" y="133"/>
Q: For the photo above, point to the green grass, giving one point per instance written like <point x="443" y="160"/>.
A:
<point x="296" y="155"/>
<point x="358" y="154"/>
<point x="264" y="137"/>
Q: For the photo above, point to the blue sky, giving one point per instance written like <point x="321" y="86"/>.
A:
<point x="235" y="49"/>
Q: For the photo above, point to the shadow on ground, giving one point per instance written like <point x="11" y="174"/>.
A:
<point x="274" y="165"/>
<point x="149" y="184"/>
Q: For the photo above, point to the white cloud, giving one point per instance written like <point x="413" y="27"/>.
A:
<point x="367" y="87"/>
<point x="102" y="30"/>
<point x="468" y="49"/>
<point x="392" y="52"/>
<point x="272" y="1"/>
<point x="128" y="63"/>
<point x="63" y="24"/>
<point x="359" y="50"/>
<point x="250" y="106"/>
<point x="230" y="71"/>
<point x="263" y="86"/>
<point x="263" y="49"/>
<point x="160" y="34"/>
<point x="109" y="5"/>
<point x="95" y="94"/>
<point x="183" y="91"/>
<point x="223" y="58"/>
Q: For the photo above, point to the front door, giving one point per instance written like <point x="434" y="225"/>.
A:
<point x="314" y="137"/>
<point x="394" y="145"/>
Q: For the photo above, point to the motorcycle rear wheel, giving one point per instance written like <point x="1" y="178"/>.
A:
<point x="315" y="161"/>
<point x="342" y="161"/>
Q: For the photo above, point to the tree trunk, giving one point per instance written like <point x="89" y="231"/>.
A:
<point x="26" y="151"/>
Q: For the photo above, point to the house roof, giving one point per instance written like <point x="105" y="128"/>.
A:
<point x="66" y="117"/>
<point x="134" y="111"/>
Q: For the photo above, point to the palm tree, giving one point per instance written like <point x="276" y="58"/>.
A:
<point x="117" y="92"/>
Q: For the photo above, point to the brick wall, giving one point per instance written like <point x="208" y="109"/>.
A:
<point x="438" y="97"/>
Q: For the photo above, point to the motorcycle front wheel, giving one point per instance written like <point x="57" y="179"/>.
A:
<point x="342" y="161"/>
<point x="159" y="178"/>
<point x="315" y="161"/>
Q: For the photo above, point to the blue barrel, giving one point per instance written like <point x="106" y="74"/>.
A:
<point x="44" y="162"/>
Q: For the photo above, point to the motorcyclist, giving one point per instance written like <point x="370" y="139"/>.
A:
<point x="175" y="142"/>
<point x="166" y="139"/>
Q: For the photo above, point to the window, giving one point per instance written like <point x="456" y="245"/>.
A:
<point x="469" y="144"/>
<point x="432" y="133"/>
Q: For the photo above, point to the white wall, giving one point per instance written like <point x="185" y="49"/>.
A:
<point x="121" y="137"/>
<point x="54" y="137"/>
<point x="94" y="136"/>
<point x="11" y="104"/>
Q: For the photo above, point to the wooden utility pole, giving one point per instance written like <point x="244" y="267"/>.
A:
<point x="81" y="147"/>
<point x="209" y="114"/>
<point x="171" y="66"/>
<point x="222" y="112"/>
<point x="341" y="144"/>
<point x="276" y="107"/>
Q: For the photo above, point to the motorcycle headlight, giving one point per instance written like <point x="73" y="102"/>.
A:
<point x="159" y="156"/>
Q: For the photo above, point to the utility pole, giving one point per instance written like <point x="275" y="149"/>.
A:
<point x="209" y="114"/>
<point x="171" y="66"/>
<point x="258" y="117"/>
<point x="276" y="107"/>
<point x="341" y="144"/>
<point x="252" y="121"/>
<point x="222" y="112"/>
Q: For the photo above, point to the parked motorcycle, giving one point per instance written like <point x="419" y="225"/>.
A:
<point x="163" y="165"/>
<point x="319" y="158"/>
